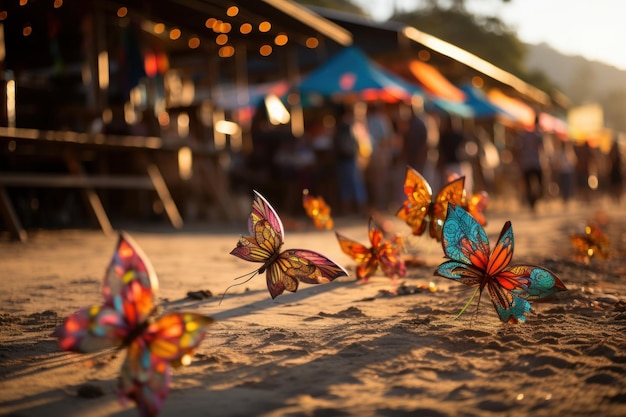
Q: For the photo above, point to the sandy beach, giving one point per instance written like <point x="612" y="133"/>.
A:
<point x="337" y="349"/>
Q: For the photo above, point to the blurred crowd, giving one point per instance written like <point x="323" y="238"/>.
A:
<point x="355" y="156"/>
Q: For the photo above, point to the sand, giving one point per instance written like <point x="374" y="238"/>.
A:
<point x="342" y="348"/>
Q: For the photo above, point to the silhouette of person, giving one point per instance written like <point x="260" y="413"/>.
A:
<point x="531" y="150"/>
<point x="350" y="180"/>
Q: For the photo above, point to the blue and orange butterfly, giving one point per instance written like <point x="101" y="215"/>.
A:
<point x="128" y="319"/>
<point x="472" y="263"/>
<point x="317" y="209"/>
<point x="419" y="210"/>
<point x="383" y="252"/>
<point x="283" y="269"/>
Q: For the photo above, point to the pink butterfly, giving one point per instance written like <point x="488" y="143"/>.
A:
<point x="283" y="269"/>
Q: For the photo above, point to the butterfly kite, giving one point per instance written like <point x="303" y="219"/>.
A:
<point x="420" y="210"/>
<point x="382" y="252"/>
<point x="283" y="269"/>
<point x="593" y="243"/>
<point x="472" y="263"/>
<point x="317" y="209"/>
<point x="127" y="319"/>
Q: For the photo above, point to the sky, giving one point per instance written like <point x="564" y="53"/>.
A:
<point x="594" y="29"/>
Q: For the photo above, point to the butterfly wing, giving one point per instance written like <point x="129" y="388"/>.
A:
<point x="129" y="265"/>
<point x="91" y="329"/>
<point x="266" y="232"/>
<point x="295" y="265"/>
<point x="128" y="301"/>
<point x="367" y="263"/>
<point x="453" y="193"/>
<point x="418" y="198"/>
<point x="464" y="240"/>
<point x="262" y="210"/>
<point x="387" y="253"/>
<point x="145" y="374"/>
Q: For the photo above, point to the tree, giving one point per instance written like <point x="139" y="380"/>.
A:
<point x="487" y="37"/>
<point x="342" y="5"/>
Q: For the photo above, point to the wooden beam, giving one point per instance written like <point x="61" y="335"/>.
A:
<point x="164" y="194"/>
<point x="16" y="179"/>
<point x="10" y="217"/>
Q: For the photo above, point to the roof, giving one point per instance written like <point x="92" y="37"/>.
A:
<point x="397" y="34"/>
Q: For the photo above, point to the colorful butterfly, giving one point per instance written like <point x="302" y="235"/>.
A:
<point x="419" y="210"/>
<point x="127" y="319"/>
<point x="593" y="243"/>
<point x="283" y="269"/>
<point x="317" y="209"/>
<point x="383" y="252"/>
<point x="472" y="263"/>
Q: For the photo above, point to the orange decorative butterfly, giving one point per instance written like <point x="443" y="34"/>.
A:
<point x="283" y="269"/>
<point x="317" y="209"/>
<point x="420" y="211"/>
<point x="383" y="252"/>
<point x="128" y="319"/>
<point x="593" y="243"/>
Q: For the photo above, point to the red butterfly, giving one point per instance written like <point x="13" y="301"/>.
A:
<point x="283" y="269"/>
<point x="127" y="319"/>
<point x="383" y="252"/>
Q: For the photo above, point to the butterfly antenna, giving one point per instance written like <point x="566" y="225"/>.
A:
<point x="468" y="304"/>
<point x="252" y="275"/>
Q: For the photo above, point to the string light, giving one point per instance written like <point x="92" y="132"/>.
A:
<point x="58" y="3"/>
<point x="232" y="11"/>
<point x="193" y="42"/>
<point x="122" y="12"/>
<point x="423" y="55"/>
<point x="312" y="42"/>
<point x="265" y="50"/>
<point x="23" y="2"/>
<point x="210" y="22"/>
<point x="265" y="26"/>
<point x="175" y="34"/>
<point x="221" y="39"/>
<point x="3" y="15"/>
<point x="227" y="51"/>
<point x="245" y="28"/>
<point x="159" y="28"/>
<point x="27" y="30"/>
<point x="281" y="39"/>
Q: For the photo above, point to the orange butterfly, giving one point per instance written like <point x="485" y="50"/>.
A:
<point x="593" y="243"/>
<point x="383" y="252"/>
<point x="283" y="269"/>
<point x="419" y="210"/>
<point x="317" y="209"/>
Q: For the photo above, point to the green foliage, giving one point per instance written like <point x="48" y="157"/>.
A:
<point x="486" y="37"/>
<point x="342" y="5"/>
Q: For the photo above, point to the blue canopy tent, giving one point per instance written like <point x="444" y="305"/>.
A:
<point x="481" y="106"/>
<point x="351" y="73"/>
